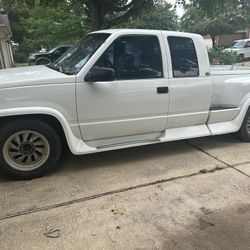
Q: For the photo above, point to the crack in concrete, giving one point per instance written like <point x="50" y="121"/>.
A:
<point x="221" y="161"/>
<point x="117" y="191"/>
<point x="92" y="197"/>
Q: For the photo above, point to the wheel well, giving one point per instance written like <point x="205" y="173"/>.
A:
<point x="43" y="58"/>
<point x="48" y="119"/>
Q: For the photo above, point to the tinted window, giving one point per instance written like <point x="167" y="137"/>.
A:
<point x="63" y="49"/>
<point x="184" y="57"/>
<point x="133" y="57"/>
<point x="247" y="45"/>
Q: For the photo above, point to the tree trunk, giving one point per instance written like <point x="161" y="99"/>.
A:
<point x="213" y="40"/>
<point x="97" y="15"/>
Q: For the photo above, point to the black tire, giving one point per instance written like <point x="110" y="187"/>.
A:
<point x="42" y="62"/>
<point x="50" y="157"/>
<point x="244" y="132"/>
<point x="241" y="58"/>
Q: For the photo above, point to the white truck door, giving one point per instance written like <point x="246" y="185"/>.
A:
<point x="136" y="102"/>
<point x="190" y="84"/>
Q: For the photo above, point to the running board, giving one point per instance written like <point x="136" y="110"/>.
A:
<point x="172" y="134"/>
<point x="130" y="144"/>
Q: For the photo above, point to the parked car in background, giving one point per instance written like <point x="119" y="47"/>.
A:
<point x="241" y="48"/>
<point x="43" y="58"/>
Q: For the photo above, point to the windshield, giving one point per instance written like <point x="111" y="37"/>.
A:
<point x="237" y="44"/>
<point x="76" y="57"/>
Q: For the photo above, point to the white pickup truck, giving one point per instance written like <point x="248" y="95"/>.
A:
<point x="117" y="89"/>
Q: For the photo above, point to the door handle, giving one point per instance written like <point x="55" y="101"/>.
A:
<point x="162" y="90"/>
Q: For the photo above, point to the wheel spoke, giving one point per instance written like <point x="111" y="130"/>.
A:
<point x="17" y="156"/>
<point x="21" y="138"/>
<point x="36" y="140"/>
<point x="26" y="150"/>
<point x="38" y="153"/>
<point x="24" y="160"/>
<point x="14" y="143"/>
<point x="13" y="150"/>
<point x="33" y="158"/>
<point x="29" y="136"/>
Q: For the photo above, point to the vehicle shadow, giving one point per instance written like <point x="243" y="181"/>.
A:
<point x="136" y="155"/>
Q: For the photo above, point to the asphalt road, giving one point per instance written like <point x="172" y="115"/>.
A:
<point x="181" y="195"/>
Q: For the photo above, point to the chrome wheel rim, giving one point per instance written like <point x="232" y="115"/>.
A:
<point x="26" y="150"/>
<point x="248" y="125"/>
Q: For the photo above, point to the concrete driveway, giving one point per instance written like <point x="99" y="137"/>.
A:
<point x="182" y="195"/>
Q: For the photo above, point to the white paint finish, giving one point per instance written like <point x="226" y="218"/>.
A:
<point x="175" y="134"/>
<point x="230" y="126"/>
<point x="187" y="119"/>
<point x="190" y="100"/>
<point x="121" y="107"/>
<point x="230" y="90"/>
<point x="190" y="97"/>
<point x="43" y="96"/>
<point x="216" y="116"/>
<point x="115" y="128"/>
<point x="32" y="75"/>
<point x="130" y="108"/>
<point x="135" y="104"/>
<point x="124" y="139"/>
<point x="76" y="144"/>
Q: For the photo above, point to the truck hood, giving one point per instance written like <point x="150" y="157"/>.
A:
<point x="32" y="75"/>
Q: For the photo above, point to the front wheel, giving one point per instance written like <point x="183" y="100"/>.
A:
<point x="29" y="148"/>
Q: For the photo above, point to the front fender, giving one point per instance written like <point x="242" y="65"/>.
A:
<point x="76" y="145"/>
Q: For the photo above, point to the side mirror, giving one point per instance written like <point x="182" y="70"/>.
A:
<point x="100" y="74"/>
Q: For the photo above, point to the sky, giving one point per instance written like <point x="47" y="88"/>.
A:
<point x="179" y="9"/>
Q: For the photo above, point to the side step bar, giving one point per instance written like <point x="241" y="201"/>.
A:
<point x="130" y="143"/>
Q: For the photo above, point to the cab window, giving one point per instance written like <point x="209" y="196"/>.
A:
<point x="184" y="57"/>
<point x="133" y="57"/>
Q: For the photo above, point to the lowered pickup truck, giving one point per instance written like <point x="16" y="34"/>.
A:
<point x="117" y="89"/>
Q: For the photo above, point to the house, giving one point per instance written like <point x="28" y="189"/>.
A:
<point x="227" y="39"/>
<point x="6" y="56"/>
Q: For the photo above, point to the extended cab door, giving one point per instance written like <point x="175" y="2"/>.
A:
<point x="190" y="85"/>
<point x="136" y="101"/>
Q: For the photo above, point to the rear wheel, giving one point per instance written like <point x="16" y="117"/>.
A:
<point x="244" y="132"/>
<point x="29" y="148"/>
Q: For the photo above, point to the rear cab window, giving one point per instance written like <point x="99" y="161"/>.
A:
<point x="183" y="56"/>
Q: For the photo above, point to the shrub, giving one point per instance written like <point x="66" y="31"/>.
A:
<point x="218" y="56"/>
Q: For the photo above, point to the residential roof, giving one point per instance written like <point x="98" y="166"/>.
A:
<point x="5" y="24"/>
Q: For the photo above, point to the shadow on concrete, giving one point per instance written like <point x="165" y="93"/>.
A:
<point x="227" y="229"/>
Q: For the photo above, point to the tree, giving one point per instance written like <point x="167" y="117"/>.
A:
<point x="107" y="13"/>
<point x="160" y="16"/>
<point x="220" y="17"/>
<point x="53" y="25"/>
